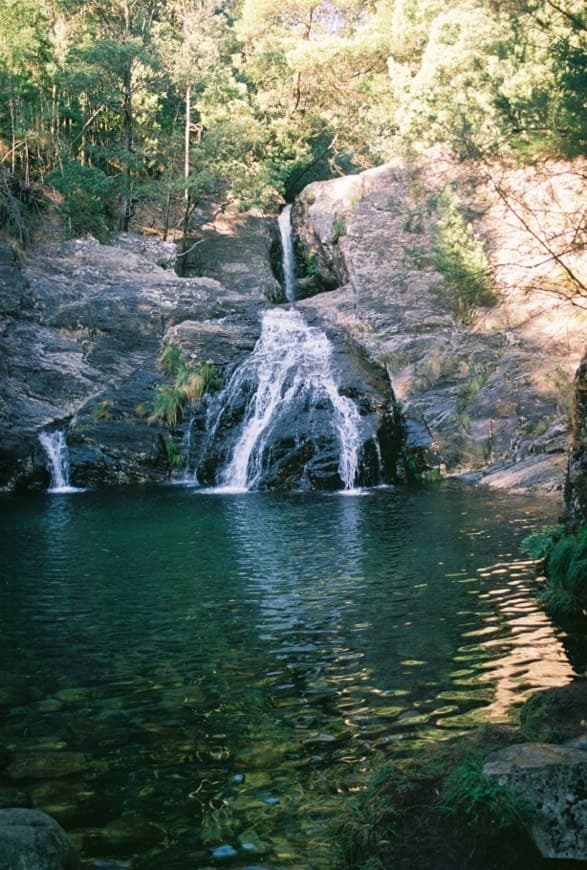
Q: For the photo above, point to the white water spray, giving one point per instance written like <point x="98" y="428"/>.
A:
<point x="290" y="368"/>
<point x="288" y="255"/>
<point x="55" y="446"/>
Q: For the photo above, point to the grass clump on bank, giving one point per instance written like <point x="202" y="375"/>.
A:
<point x="190" y="384"/>
<point x="563" y="557"/>
<point x="440" y="811"/>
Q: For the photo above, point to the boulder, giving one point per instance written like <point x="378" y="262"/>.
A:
<point x="552" y="778"/>
<point x="33" y="840"/>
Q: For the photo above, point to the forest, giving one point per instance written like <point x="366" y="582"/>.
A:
<point x="113" y="107"/>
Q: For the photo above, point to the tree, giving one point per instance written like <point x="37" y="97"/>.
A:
<point x="24" y="56"/>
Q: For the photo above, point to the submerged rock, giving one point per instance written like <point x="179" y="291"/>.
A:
<point x="552" y="779"/>
<point x="33" y="840"/>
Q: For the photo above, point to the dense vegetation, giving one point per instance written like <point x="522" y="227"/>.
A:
<point x="122" y="105"/>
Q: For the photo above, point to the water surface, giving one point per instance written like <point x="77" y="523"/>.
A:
<point x="197" y="680"/>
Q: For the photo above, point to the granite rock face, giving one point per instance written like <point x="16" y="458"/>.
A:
<point x="488" y="398"/>
<point x="81" y="331"/>
<point x="552" y="779"/>
<point x="82" y="326"/>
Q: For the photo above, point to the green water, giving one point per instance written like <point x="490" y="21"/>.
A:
<point x="185" y="672"/>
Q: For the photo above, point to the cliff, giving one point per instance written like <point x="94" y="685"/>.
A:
<point x="487" y="395"/>
<point x="485" y="389"/>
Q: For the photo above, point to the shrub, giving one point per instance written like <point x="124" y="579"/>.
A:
<point x="564" y="559"/>
<point x="170" y="360"/>
<point x="173" y="453"/>
<point x="480" y="801"/>
<point x="104" y="410"/>
<point x="169" y="405"/>
<point x="191" y="382"/>
<point x="338" y="229"/>
<point x="459" y="257"/>
<point x="87" y="199"/>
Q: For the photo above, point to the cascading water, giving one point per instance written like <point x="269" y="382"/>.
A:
<point x="189" y="474"/>
<point x="288" y="378"/>
<point x="55" y="446"/>
<point x="288" y="256"/>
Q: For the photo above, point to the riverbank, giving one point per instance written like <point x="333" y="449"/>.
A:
<point x="440" y="810"/>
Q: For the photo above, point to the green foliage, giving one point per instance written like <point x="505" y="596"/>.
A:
<point x="270" y="96"/>
<point x="377" y="817"/>
<point x="191" y="382"/>
<point x="480" y="801"/>
<point x="170" y="360"/>
<point x="539" y="543"/>
<point x="564" y="558"/>
<point x="173" y="453"/>
<point x="566" y="572"/>
<point x="535" y="716"/>
<point x="338" y="229"/>
<point x="169" y="405"/>
<point x="103" y="410"/>
<point x="459" y="257"/>
<point x="468" y="391"/>
<point x="87" y="199"/>
<point x="310" y="266"/>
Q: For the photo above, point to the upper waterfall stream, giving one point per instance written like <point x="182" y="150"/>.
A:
<point x="288" y="254"/>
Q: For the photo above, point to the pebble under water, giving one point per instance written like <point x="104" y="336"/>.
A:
<point x="193" y="680"/>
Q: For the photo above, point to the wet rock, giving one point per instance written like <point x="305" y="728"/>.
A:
<point x="250" y="841"/>
<point x="124" y="836"/>
<point x="552" y="778"/>
<point x="33" y="840"/>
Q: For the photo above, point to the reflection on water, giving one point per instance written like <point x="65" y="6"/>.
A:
<point x="189" y="679"/>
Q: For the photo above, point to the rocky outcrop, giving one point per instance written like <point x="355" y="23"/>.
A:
<point x="81" y="331"/>
<point x="551" y="780"/>
<point x="488" y="398"/>
<point x="241" y="251"/>
<point x="576" y="492"/>
<point x="33" y="840"/>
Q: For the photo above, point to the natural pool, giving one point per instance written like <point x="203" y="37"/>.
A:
<point x="194" y="680"/>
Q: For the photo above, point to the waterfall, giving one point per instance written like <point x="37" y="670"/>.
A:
<point x="189" y="473"/>
<point x="288" y="256"/>
<point x="55" y="446"/>
<point x="288" y="377"/>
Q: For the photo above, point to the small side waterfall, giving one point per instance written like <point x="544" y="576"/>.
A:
<point x="288" y="256"/>
<point x="289" y="387"/>
<point x="189" y="473"/>
<point x="55" y="446"/>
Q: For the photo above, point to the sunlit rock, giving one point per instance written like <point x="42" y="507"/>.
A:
<point x="552" y="779"/>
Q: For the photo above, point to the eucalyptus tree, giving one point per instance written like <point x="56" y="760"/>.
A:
<point x="24" y="58"/>
<point x="112" y="73"/>
<point x="313" y="68"/>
